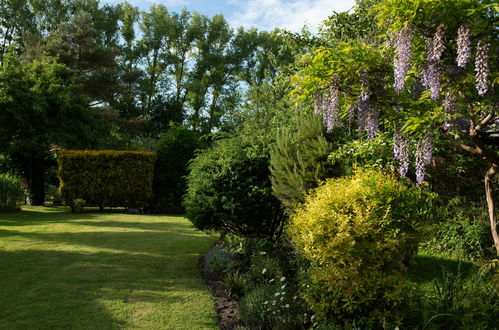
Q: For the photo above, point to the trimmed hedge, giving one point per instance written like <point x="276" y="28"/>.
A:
<point x="10" y="192"/>
<point x="106" y="177"/>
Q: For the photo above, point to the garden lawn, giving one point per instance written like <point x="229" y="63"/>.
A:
<point x="101" y="271"/>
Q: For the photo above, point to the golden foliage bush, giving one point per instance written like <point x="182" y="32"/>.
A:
<point x="354" y="232"/>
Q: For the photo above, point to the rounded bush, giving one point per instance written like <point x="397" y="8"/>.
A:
<point x="174" y="151"/>
<point x="229" y="189"/>
<point x="355" y="232"/>
<point x="10" y="192"/>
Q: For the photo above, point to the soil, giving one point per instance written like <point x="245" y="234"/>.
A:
<point x="225" y="306"/>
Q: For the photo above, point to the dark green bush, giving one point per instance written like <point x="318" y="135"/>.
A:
<point x="10" y="192"/>
<point x="229" y="190"/>
<point x="106" y="178"/>
<point x="174" y="152"/>
<point x="355" y="232"/>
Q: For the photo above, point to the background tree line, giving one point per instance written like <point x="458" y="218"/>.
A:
<point x="135" y="73"/>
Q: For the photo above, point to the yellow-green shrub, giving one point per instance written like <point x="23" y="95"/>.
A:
<point x="355" y="232"/>
<point x="108" y="178"/>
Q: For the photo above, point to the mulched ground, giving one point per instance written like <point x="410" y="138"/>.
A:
<point x="225" y="306"/>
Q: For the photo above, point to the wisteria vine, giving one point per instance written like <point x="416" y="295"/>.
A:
<point x="482" y="67"/>
<point x="401" y="64"/>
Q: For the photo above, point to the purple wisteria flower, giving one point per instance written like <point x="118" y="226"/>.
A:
<point x="401" y="151"/>
<point x="401" y="64"/>
<point x="463" y="46"/>
<point x="424" y="153"/>
<point x="482" y="67"/>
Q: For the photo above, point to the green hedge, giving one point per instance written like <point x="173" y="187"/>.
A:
<point x="106" y="178"/>
<point x="10" y="192"/>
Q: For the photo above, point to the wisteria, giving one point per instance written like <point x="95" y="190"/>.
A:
<point x="431" y="72"/>
<point x="463" y="46"/>
<point x="328" y="104"/>
<point x="482" y="67"/>
<point x="401" y="63"/>
<point x="449" y="106"/>
<point x="401" y="151"/>
<point x="424" y="153"/>
<point x="319" y="103"/>
<point x="368" y="116"/>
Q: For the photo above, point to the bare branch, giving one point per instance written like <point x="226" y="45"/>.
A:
<point x="485" y="120"/>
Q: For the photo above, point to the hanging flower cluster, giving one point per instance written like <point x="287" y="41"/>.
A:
<point x="449" y="106"/>
<point x="368" y="116"/>
<point x="431" y="72"/>
<point x="424" y="153"/>
<point x="463" y="46"/>
<point x="401" y="63"/>
<point x="482" y="67"/>
<point x="401" y="150"/>
<point x="328" y="104"/>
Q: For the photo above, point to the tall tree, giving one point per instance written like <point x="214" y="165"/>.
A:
<point x="40" y="105"/>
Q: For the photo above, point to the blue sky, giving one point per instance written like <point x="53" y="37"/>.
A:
<point x="262" y="14"/>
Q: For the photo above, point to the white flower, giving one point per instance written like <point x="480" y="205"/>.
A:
<point x="294" y="298"/>
<point x="283" y="279"/>
<point x="271" y="280"/>
<point x="277" y="294"/>
<point x="283" y="286"/>
<point x="264" y="270"/>
<point x="287" y="306"/>
<point x="263" y="253"/>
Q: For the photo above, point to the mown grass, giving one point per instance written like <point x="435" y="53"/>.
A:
<point x="101" y="271"/>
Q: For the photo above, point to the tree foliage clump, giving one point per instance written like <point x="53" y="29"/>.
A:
<point x="174" y="151"/>
<point x="229" y="189"/>
<point x="10" y="192"/>
<point x="40" y="106"/>
<point x="356" y="232"/>
<point x="298" y="161"/>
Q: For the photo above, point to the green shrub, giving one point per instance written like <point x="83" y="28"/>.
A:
<point x="355" y="232"/>
<point x="461" y="230"/>
<point x="106" y="178"/>
<point x="174" y="152"/>
<point x="229" y="189"/>
<point x="10" y="192"/>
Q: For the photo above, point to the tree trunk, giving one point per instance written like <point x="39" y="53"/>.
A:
<point x="37" y="183"/>
<point x="489" y="192"/>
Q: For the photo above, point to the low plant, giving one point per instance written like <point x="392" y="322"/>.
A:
<point x="11" y="192"/>
<point x="461" y="230"/>
<point x="463" y="301"/>
<point x="78" y="205"/>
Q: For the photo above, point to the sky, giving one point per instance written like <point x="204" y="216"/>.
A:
<point x="262" y="14"/>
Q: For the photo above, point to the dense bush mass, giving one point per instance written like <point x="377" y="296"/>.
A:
<point x="174" y="152"/>
<point x="10" y="192"/>
<point x="229" y="189"/>
<point x="106" y="178"/>
<point x="355" y="232"/>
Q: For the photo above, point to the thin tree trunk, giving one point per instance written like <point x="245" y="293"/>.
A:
<point x="489" y="192"/>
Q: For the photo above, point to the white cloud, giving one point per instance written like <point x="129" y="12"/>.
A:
<point x="286" y="14"/>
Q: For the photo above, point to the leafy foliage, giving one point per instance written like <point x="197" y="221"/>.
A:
<point x="106" y="178"/>
<point x="355" y="232"/>
<point x="10" y="192"/>
<point x="229" y="189"/>
<point x="174" y="151"/>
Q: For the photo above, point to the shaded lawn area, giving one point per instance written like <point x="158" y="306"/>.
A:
<point x="101" y="271"/>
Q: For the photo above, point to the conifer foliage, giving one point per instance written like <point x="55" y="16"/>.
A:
<point x="298" y="161"/>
